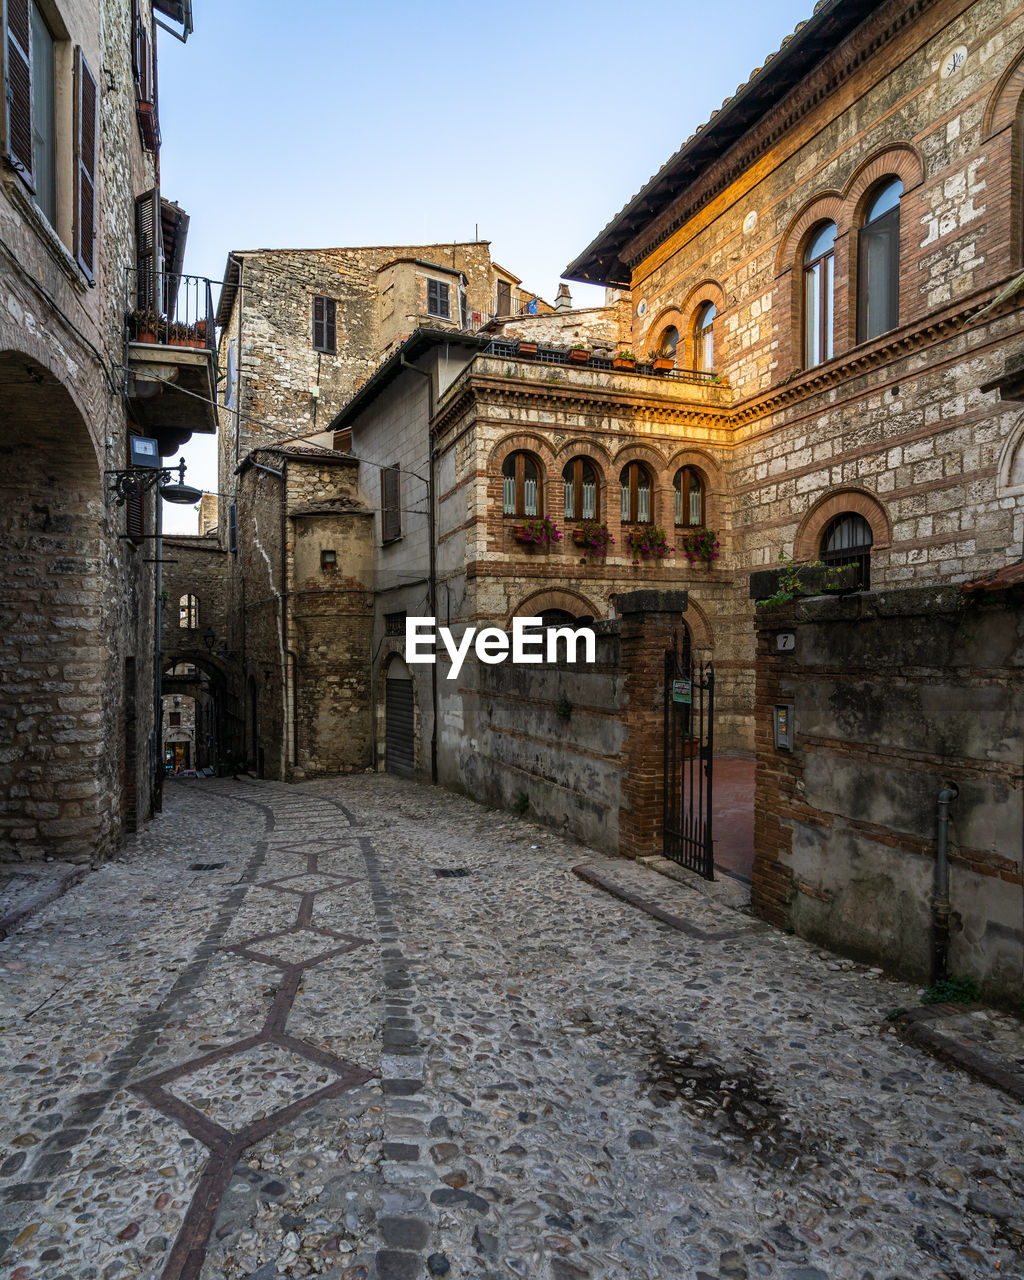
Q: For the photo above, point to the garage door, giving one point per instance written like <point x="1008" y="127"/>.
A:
<point x="398" y="735"/>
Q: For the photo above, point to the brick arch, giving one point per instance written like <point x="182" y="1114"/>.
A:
<point x="901" y="161"/>
<point x="666" y="316"/>
<point x="528" y="442"/>
<point x="1004" y="103"/>
<point x="807" y="542"/>
<point x="703" y="462"/>
<point x="555" y="598"/>
<point x="637" y="451"/>
<point x="827" y="206"/>
<point x="608" y="477"/>
<point x="708" y="290"/>
<point x="589" y="448"/>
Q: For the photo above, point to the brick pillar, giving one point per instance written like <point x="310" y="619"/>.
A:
<point x="649" y="619"/>
<point x="771" y="887"/>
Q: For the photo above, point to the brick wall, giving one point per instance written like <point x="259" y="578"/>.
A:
<point x="894" y="695"/>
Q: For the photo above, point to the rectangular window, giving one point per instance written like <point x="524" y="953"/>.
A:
<point x="86" y="140"/>
<point x="144" y="65"/>
<point x="232" y="527"/>
<point x="44" y="133"/>
<point x="394" y="624"/>
<point x="437" y="299"/>
<point x="174" y="719"/>
<point x="18" y="89"/>
<point x="390" y="504"/>
<point x="325" y="327"/>
<point x="328" y="560"/>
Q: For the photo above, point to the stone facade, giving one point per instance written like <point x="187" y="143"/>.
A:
<point x="894" y="696"/>
<point x="301" y="612"/>
<point x="77" y="747"/>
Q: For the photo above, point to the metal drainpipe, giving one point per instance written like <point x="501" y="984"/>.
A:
<point x="290" y="731"/>
<point x="940" y="904"/>
<point x="432" y="584"/>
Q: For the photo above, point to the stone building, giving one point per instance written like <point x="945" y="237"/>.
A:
<point x="85" y="241"/>
<point x="300" y="331"/>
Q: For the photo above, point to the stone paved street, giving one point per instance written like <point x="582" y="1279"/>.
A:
<point x="365" y="1028"/>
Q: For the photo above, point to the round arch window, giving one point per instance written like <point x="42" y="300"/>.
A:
<point x="667" y="343"/>
<point x="847" y="540"/>
<point x="520" y="488"/>
<point x="635" y="482"/>
<point x="581" y="490"/>
<point x="704" y="338"/>
<point x="819" y="295"/>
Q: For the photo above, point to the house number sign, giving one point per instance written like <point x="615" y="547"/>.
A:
<point x="785" y="642"/>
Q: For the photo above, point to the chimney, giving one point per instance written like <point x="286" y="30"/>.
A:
<point x="563" y="299"/>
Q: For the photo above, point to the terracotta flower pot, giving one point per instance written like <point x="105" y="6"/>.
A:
<point x="526" y="349"/>
<point x="579" y="357"/>
<point x="621" y="363"/>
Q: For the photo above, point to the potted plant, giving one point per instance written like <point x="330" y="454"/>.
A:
<point x="647" y="542"/>
<point x="594" y="537"/>
<point x="700" y="544"/>
<point x="144" y="325"/>
<point x="624" y="359"/>
<point x="538" y="532"/>
<point x="183" y="335"/>
<point x="526" y="348"/>
<point x="662" y="363"/>
<point x="578" y="353"/>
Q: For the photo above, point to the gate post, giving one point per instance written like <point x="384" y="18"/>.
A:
<point x="649" y="619"/>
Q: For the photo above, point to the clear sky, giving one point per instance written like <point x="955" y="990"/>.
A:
<point x="323" y="122"/>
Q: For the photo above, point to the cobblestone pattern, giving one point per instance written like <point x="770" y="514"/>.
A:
<point x="568" y="1089"/>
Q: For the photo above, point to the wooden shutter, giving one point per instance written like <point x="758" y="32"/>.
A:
<point x="391" y="504"/>
<point x="330" y="325"/>
<point x="147" y="249"/>
<point x="86" y="138"/>
<point x="318" y="323"/>
<point x="18" y="88"/>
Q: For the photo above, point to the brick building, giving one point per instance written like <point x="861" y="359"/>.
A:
<point x="87" y="246"/>
<point x="300" y="331"/>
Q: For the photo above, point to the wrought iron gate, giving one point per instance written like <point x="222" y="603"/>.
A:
<point x="689" y="755"/>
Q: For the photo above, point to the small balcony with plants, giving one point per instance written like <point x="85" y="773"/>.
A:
<point x="170" y="354"/>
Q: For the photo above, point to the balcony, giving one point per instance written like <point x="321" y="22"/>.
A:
<point x="170" y="355"/>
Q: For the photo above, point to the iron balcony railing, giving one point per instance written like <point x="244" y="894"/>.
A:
<point x="475" y="320"/>
<point x="169" y="309"/>
<point x="509" y="350"/>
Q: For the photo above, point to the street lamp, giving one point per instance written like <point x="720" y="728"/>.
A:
<point x="136" y="480"/>
<point x="209" y="639"/>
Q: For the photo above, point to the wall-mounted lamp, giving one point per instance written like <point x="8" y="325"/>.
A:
<point x="147" y="472"/>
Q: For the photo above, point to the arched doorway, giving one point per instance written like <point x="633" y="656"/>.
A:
<point x="399" y="720"/>
<point x="57" y="633"/>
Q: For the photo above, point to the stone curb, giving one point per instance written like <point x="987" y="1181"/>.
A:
<point x="591" y="877"/>
<point x="914" y="1027"/>
<point x="10" y="922"/>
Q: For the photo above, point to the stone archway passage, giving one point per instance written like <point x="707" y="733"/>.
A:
<point x="60" y="770"/>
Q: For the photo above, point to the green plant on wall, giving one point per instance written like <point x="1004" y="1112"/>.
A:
<point x="790" y="584"/>
<point x="522" y="803"/>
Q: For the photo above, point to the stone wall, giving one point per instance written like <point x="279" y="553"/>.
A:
<point x="79" y="602"/>
<point x="894" y="695"/>
<point x="895" y="428"/>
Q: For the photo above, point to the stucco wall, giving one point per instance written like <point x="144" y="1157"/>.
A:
<point x="895" y="695"/>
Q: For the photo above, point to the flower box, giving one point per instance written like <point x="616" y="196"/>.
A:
<point x="579" y="356"/>
<point x="526" y="349"/>
<point x="579" y="537"/>
<point x="662" y="364"/>
<point x="537" y="534"/>
<point x="623" y="362"/>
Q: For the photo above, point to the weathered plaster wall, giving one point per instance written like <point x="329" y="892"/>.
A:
<point x="894" y="695"/>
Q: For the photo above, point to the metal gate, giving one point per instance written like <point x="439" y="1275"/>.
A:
<point x="398" y="728"/>
<point x="689" y="755"/>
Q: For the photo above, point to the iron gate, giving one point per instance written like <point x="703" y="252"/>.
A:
<point x="689" y="754"/>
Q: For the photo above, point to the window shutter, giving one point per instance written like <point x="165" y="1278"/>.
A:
<point x="318" y="323"/>
<point x="137" y="43"/>
<point x="232" y="528"/>
<point x="444" y="309"/>
<point x="18" y="89"/>
<point x="330" y="325"/>
<point x="391" y="514"/>
<point x="86" y="136"/>
<point x="146" y="207"/>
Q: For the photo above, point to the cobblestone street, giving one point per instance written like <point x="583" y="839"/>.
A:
<point x="366" y="1028"/>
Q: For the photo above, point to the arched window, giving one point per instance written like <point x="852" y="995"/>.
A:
<point x="188" y="613"/>
<point x="635" y="480"/>
<point x="520" y="485"/>
<point x="878" y="266"/>
<point x="847" y="540"/>
<point x="667" y="343"/>
<point x="689" y="487"/>
<point x="581" y="489"/>
<point x="819" y="290"/>
<point x="704" y="338"/>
